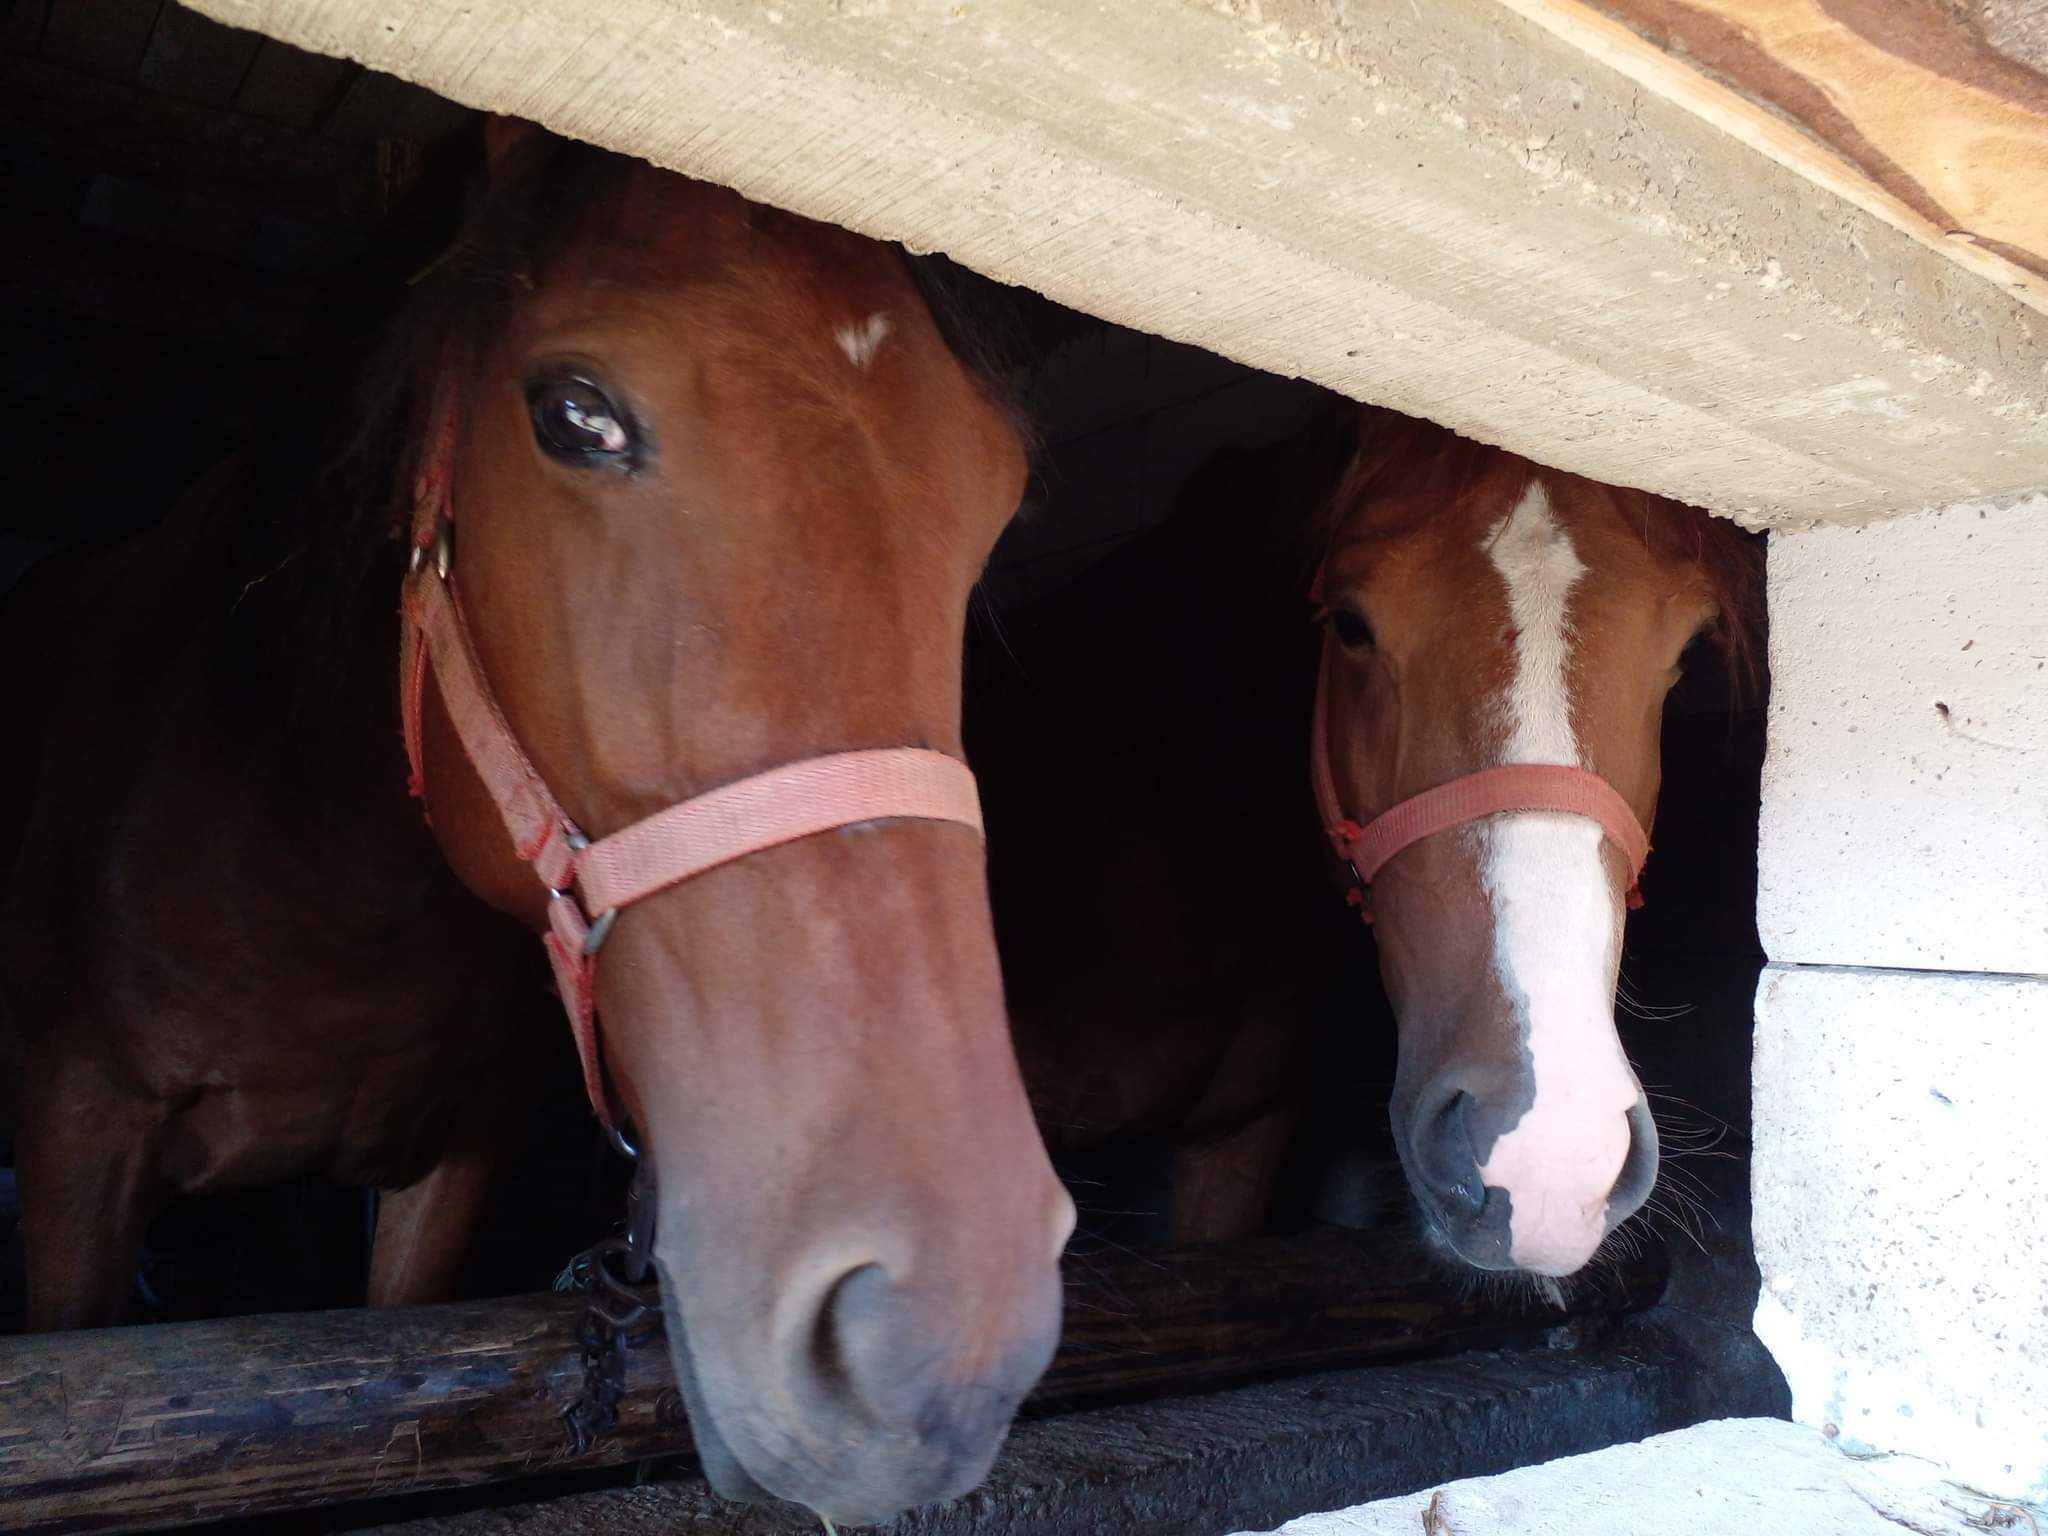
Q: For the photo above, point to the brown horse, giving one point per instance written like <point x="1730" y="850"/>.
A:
<point x="1479" y="611"/>
<point x="723" y="489"/>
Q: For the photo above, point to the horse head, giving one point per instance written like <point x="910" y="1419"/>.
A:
<point x="1482" y="612"/>
<point x="719" y="491"/>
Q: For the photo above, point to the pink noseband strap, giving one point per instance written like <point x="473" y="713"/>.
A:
<point x="590" y="882"/>
<point x="1494" y="791"/>
<point x="1490" y="792"/>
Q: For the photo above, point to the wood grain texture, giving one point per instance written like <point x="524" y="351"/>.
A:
<point x="103" y="37"/>
<point x="100" y="276"/>
<point x="289" y="86"/>
<point x="128" y="1429"/>
<point x="68" y="116"/>
<point x="21" y="25"/>
<point x="99" y="375"/>
<point x="1441" y="208"/>
<point x="1901" y="107"/>
<point x="195" y="58"/>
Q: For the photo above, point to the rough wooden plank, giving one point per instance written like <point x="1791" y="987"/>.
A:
<point x="1198" y="1465"/>
<point x="105" y="38"/>
<point x="1894" y="105"/>
<point x="125" y="1429"/>
<point x="21" y="26"/>
<point x="376" y="106"/>
<point x="287" y="85"/>
<point x="239" y="230"/>
<point x="154" y="289"/>
<point x="1441" y="208"/>
<point x="55" y="358"/>
<point x="64" y="115"/>
<point x="197" y="59"/>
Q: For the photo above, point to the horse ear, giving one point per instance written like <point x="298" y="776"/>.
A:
<point x="502" y="138"/>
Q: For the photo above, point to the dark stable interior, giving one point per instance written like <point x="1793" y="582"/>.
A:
<point x="190" y="201"/>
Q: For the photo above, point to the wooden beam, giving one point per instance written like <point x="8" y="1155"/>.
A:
<point x="88" y="363"/>
<point x="154" y="289"/>
<point x="105" y="38"/>
<point x="1894" y="106"/>
<point x="1249" y="1459"/>
<point x="196" y="59"/>
<point x="290" y="86"/>
<point x="1442" y="208"/>
<point x="122" y="130"/>
<point x="127" y="1429"/>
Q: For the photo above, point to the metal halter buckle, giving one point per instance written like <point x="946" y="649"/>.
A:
<point x="443" y="547"/>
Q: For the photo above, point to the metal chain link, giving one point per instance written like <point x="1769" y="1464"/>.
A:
<point x="616" y="1274"/>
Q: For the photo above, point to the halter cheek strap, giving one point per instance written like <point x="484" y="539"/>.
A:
<point x="1489" y="792"/>
<point x="588" y="882"/>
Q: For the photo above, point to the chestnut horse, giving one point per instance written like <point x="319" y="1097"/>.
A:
<point x="723" y="490"/>
<point x="1478" y="611"/>
<point x="1481" y="611"/>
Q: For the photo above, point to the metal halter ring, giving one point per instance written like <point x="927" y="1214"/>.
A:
<point x="622" y="1143"/>
<point x="444" y="551"/>
<point x="598" y="928"/>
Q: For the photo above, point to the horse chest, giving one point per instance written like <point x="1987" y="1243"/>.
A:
<point x="349" y="1075"/>
<point x="323" y="1045"/>
<point x="286" y="966"/>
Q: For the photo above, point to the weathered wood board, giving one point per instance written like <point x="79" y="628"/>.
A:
<point x="1907" y="109"/>
<point x="127" y="1429"/>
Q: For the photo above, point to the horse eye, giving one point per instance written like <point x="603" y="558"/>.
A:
<point x="576" y="422"/>
<point x="1353" y="632"/>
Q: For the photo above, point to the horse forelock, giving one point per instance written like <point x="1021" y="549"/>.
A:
<point x="1436" y="472"/>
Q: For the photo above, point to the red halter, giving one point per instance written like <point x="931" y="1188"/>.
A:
<point x="589" y="882"/>
<point x="1488" y="792"/>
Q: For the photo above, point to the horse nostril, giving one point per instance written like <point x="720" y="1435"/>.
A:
<point x="854" y="1308"/>
<point x="876" y="1354"/>
<point x="1638" y="1169"/>
<point x="1448" y="1166"/>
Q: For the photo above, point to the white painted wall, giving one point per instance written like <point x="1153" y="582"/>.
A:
<point x="1902" y="1213"/>
<point x="1901" y="1163"/>
<point x="1905" y="815"/>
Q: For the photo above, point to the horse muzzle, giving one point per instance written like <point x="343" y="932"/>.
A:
<point x="871" y="1395"/>
<point x="1544" y="1214"/>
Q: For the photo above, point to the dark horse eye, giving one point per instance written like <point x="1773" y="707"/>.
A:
<point x="577" y="422"/>
<point x="1353" y="632"/>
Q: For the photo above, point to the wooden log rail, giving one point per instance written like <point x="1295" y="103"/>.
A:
<point x="148" y="1427"/>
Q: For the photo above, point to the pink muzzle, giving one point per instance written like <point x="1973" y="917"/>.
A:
<point x="1366" y="848"/>
<point x="590" y="882"/>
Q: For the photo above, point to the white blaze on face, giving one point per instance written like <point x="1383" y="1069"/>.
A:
<point x="1556" y="929"/>
<point x="861" y="342"/>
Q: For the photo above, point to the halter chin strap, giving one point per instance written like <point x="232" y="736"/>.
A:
<point x="1489" y="792"/>
<point x="588" y="882"/>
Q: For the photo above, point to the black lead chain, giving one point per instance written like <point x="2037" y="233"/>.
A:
<point x="617" y="1275"/>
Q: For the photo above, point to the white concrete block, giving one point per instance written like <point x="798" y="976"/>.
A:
<point x="1905" y="795"/>
<point x="1901" y="1186"/>
<point x="1735" y="1477"/>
